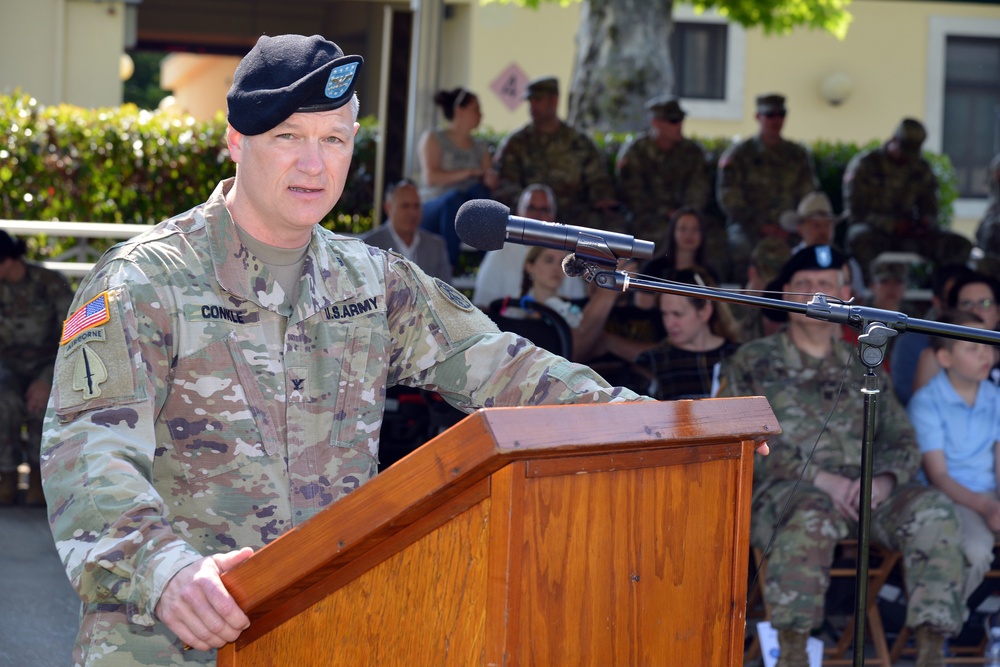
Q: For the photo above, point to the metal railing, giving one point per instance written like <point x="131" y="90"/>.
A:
<point x="78" y="260"/>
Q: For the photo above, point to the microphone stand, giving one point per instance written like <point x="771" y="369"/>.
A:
<point x="877" y="327"/>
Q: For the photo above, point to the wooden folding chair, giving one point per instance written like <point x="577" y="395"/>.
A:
<point x="881" y="562"/>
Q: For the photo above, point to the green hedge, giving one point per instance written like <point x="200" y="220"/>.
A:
<point x="128" y="165"/>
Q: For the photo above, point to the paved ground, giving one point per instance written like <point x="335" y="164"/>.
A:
<point x="39" y="611"/>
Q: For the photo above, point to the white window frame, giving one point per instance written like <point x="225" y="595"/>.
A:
<point x="731" y="107"/>
<point x="940" y="28"/>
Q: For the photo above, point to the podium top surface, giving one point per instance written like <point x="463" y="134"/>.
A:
<point x="467" y="454"/>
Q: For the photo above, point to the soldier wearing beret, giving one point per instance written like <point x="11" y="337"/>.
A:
<point x="221" y="378"/>
<point x="549" y="151"/>
<point x="759" y="178"/>
<point x="891" y="202"/>
<point x="661" y="171"/>
<point x="806" y="493"/>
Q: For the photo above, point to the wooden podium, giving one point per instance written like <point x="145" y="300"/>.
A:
<point x="567" y="535"/>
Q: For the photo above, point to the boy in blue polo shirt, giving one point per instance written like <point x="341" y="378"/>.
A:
<point x="957" y="420"/>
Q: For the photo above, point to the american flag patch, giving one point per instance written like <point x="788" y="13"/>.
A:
<point x="93" y="313"/>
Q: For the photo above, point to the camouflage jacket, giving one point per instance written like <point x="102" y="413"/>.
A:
<point x="31" y="316"/>
<point x="653" y="183"/>
<point x="881" y="192"/>
<point x="804" y="392"/>
<point x="196" y="412"/>
<point x="757" y="183"/>
<point x="565" y="160"/>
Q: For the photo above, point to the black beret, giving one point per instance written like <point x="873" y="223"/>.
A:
<point x="287" y="74"/>
<point x="811" y="258"/>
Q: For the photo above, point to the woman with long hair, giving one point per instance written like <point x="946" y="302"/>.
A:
<point x="454" y="165"/>
<point x="700" y="334"/>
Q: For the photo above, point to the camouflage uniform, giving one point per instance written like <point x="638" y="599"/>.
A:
<point x="756" y="183"/>
<point x="207" y="413"/>
<point x="653" y="183"/>
<point x="880" y="193"/>
<point x="918" y="521"/>
<point x="31" y="314"/>
<point x="565" y="160"/>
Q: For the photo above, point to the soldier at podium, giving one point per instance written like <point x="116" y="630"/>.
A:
<point x="221" y="378"/>
<point x="806" y="493"/>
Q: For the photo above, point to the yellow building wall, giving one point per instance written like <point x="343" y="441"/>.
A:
<point x="885" y="54"/>
<point x="62" y="50"/>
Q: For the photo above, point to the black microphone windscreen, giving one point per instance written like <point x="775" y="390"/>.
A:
<point x="482" y="223"/>
<point x="573" y="266"/>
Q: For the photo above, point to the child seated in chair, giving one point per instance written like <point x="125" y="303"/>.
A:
<point x="957" y="421"/>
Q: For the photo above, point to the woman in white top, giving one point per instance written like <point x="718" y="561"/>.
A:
<point x="454" y="165"/>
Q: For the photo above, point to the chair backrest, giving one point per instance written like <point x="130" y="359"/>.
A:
<point x="548" y="330"/>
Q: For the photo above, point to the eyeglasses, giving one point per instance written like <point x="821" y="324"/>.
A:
<point x="539" y="209"/>
<point x="982" y="304"/>
<point x="773" y="114"/>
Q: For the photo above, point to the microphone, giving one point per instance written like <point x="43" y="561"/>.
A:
<point x="485" y="224"/>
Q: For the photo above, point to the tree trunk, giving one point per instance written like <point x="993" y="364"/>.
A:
<point x="622" y="60"/>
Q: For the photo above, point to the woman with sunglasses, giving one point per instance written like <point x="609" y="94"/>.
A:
<point x="974" y="293"/>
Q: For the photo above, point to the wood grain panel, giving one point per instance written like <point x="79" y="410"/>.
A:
<point x="424" y="606"/>
<point x="630" y="567"/>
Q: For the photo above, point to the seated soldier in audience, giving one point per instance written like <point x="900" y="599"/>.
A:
<point x="661" y="171"/>
<point x="957" y="420"/>
<point x="549" y="151"/>
<point x="891" y="202"/>
<point x="33" y="304"/>
<point x="806" y="494"/>
<point x="758" y="179"/>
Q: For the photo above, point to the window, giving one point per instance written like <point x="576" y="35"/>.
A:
<point x="708" y="55"/>
<point x="971" y="128"/>
<point x="698" y="52"/>
<point x="961" y="103"/>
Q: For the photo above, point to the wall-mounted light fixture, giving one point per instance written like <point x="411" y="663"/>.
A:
<point x="836" y="87"/>
<point x="126" y="67"/>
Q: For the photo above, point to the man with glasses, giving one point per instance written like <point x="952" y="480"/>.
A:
<point x="806" y="494"/>
<point x="758" y="179"/>
<point x="891" y="202"/>
<point x="499" y="274"/>
<point x="661" y="171"/>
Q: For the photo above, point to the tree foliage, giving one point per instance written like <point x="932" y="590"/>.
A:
<point x="773" y="16"/>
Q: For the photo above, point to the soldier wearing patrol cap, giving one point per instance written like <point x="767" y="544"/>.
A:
<point x="221" y="378"/>
<point x="759" y="178"/>
<point x="661" y="171"/>
<point x="550" y="152"/>
<point x="806" y="493"/>
<point x="891" y="202"/>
